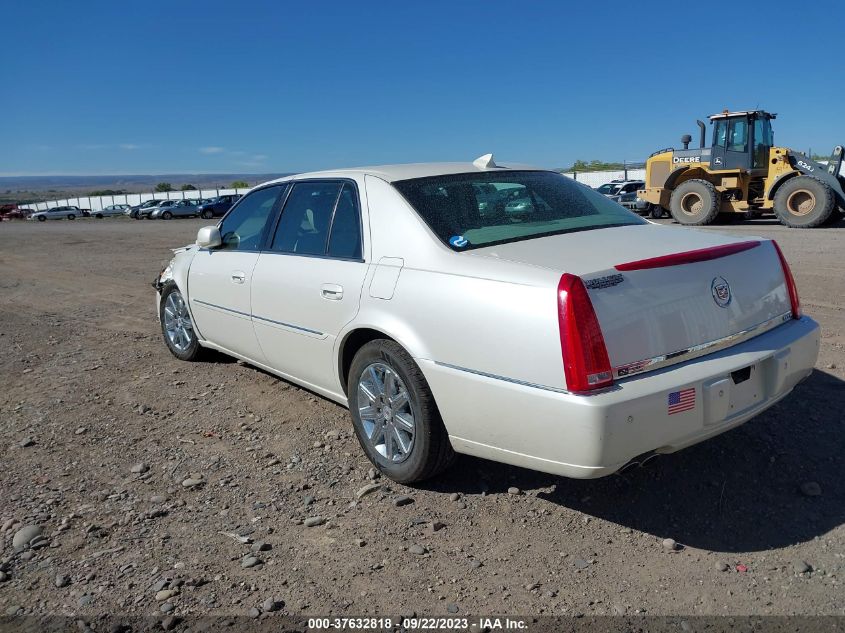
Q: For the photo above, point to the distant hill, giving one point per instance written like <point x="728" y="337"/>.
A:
<point x="23" y="189"/>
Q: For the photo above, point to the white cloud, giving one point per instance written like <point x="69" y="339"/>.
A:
<point x="212" y="150"/>
<point x="129" y="146"/>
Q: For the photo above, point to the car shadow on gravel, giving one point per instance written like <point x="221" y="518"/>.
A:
<point x="772" y="482"/>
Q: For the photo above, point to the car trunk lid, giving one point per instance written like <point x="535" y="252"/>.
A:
<point x="657" y="307"/>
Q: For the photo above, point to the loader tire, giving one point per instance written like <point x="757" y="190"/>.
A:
<point x="694" y="202"/>
<point x="804" y="202"/>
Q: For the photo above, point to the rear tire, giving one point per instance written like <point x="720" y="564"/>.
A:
<point x="167" y="215"/>
<point x="99" y="216"/>
<point x="406" y="441"/>
<point x="804" y="202"/>
<point x="694" y="203"/>
<point x="656" y="211"/>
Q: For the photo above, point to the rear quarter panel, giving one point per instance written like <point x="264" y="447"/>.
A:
<point x="484" y="315"/>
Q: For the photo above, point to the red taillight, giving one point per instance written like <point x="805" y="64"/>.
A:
<point x="585" y="361"/>
<point x="790" y="283"/>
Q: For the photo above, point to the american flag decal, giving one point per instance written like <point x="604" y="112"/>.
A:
<point x="682" y="400"/>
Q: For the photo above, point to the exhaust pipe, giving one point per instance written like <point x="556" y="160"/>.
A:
<point x="686" y="139"/>
<point x="641" y="461"/>
<point x="703" y="133"/>
<point x="648" y="459"/>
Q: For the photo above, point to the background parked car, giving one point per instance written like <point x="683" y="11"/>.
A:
<point x="217" y="207"/>
<point x="142" y="210"/>
<point x="112" y="210"/>
<point x="11" y="212"/>
<point x="175" y="208"/>
<point x="619" y="187"/>
<point x="57" y="213"/>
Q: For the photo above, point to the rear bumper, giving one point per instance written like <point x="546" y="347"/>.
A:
<point x="593" y="436"/>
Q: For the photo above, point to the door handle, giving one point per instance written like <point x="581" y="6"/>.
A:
<point x="332" y="292"/>
<point x="238" y="277"/>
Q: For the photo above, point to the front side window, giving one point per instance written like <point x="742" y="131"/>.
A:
<point x="243" y="229"/>
<point x="720" y="133"/>
<point x="528" y="204"/>
<point x="738" y="136"/>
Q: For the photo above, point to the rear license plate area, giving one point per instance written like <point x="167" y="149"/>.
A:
<point x="741" y="375"/>
<point x="746" y="389"/>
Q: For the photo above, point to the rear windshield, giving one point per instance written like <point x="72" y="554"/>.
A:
<point x="473" y="210"/>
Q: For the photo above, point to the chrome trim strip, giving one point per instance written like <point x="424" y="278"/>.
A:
<point x="505" y="378"/>
<point x="254" y="316"/>
<point x="657" y="362"/>
<point x="214" y="305"/>
<point x="290" y="325"/>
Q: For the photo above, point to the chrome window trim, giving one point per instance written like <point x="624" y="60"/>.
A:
<point x="650" y="364"/>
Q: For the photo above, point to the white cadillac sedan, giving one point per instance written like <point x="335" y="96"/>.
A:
<point x="507" y="313"/>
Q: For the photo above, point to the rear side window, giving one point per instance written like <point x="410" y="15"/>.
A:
<point x="320" y="218"/>
<point x="525" y="205"/>
<point x="345" y="238"/>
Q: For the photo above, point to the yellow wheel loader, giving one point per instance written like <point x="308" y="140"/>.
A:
<point x="742" y="172"/>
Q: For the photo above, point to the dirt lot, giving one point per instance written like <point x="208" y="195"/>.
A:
<point x="89" y="391"/>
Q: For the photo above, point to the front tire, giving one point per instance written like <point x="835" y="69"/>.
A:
<point x="71" y="217"/>
<point x="694" y="203"/>
<point x="207" y="215"/>
<point x="394" y="414"/>
<point x="656" y="211"/>
<point x="99" y="216"/>
<point x="177" y="326"/>
<point x="804" y="202"/>
<point x="167" y="215"/>
<point x="41" y="218"/>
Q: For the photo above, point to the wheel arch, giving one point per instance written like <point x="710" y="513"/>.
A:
<point x="779" y="181"/>
<point x="672" y="180"/>
<point x="687" y="173"/>
<point x="362" y="333"/>
<point x="178" y="275"/>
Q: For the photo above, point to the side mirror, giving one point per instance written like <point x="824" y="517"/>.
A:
<point x="209" y="237"/>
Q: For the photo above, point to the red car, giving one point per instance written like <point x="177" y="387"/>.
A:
<point x="11" y="212"/>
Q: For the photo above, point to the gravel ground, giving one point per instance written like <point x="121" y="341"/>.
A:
<point x="133" y="483"/>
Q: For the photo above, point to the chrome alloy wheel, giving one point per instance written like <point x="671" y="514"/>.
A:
<point x="177" y="322"/>
<point x="386" y="412"/>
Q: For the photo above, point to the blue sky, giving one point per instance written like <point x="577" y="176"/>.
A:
<point x="159" y="86"/>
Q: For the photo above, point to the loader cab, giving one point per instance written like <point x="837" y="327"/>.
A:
<point x="741" y="140"/>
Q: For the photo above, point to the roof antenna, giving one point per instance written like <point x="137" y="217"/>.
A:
<point x="485" y="162"/>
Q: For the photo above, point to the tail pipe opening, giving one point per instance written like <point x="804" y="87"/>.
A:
<point x="640" y="460"/>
